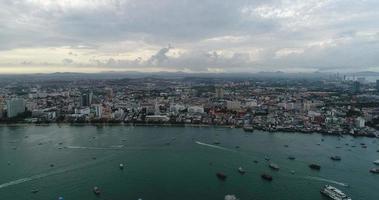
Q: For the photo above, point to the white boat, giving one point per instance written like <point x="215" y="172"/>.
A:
<point x="334" y="193"/>
<point x="273" y="166"/>
<point x="376" y="162"/>
<point x="121" y="166"/>
<point x="241" y="170"/>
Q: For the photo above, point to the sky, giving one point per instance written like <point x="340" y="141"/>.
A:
<point x="202" y="36"/>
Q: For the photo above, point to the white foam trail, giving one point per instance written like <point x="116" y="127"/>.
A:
<point x="43" y="175"/>
<point x="214" y="146"/>
<point x="327" y="180"/>
<point x="118" y="147"/>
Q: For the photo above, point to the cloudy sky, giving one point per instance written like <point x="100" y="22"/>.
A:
<point x="188" y="35"/>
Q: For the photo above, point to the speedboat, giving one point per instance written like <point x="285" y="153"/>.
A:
<point x="96" y="190"/>
<point x="241" y="171"/>
<point x="273" y="166"/>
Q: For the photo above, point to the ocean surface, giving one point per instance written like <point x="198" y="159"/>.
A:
<point x="178" y="163"/>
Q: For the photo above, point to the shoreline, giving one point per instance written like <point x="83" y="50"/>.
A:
<point x="97" y="124"/>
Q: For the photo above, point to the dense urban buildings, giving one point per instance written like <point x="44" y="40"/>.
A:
<point x="330" y="105"/>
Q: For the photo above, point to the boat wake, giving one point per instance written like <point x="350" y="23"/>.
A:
<point x="326" y="180"/>
<point x="213" y="146"/>
<point x="116" y="147"/>
<point x="51" y="173"/>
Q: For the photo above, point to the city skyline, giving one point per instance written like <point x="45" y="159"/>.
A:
<point x="208" y="37"/>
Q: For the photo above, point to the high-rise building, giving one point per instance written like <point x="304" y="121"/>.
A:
<point x="356" y="87"/>
<point x="86" y="99"/>
<point x="219" y="92"/>
<point x="109" y="93"/>
<point x="1" y="107"/>
<point x="15" y="107"/>
<point x="98" y="111"/>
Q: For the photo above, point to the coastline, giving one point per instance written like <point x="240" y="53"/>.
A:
<point x="98" y="124"/>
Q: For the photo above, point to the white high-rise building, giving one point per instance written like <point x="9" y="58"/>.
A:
<point x="98" y="111"/>
<point x="15" y="107"/>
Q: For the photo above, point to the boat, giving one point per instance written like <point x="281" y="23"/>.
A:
<point x="335" y="158"/>
<point x="374" y="170"/>
<point x="266" y="177"/>
<point x="121" y="166"/>
<point x="333" y="193"/>
<point x="286" y="145"/>
<point x="376" y="162"/>
<point x="292" y="171"/>
<point x="273" y="166"/>
<point x="216" y="142"/>
<point x="34" y="191"/>
<point x="248" y="128"/>
<point x="315" y="166"/>
<point x="267" y="158"/>
<point x="96" y="190"/>
<point x="241" y="170"/>
<point x="255" y="161"/>
<point x="221" y="176"/>
<point x="291" y="158"/>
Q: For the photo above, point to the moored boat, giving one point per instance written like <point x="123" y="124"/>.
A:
<point x="266" y="177"/>
<point x="291" y="158"/>
<point x="335" y="158"/>
<point x="376" y="162"/>
<point x="34" y="191"/>
<point x="221" y="176"/>
<point x="315" y="166"/>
